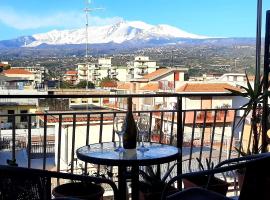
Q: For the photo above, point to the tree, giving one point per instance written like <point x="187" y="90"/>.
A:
<point x="66" y="85"/>
<point x="83" y="84"/>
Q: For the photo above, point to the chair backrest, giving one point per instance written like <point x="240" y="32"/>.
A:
<point x="257" y="180"/>
<point x="23" y="184"/>
<point x="35" y="184"/>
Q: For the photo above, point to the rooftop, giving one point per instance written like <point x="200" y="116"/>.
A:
<point x="17" y="71"/>
<point x="71" y="72"/>
<point x="150" y="87"/>
<point x="124" y="86"/>
<point x="206" y="87"/>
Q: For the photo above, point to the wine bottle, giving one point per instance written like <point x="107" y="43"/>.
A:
<point x="130" y="135"/>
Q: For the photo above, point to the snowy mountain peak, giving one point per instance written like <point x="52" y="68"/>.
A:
<point x="119" y="32"/>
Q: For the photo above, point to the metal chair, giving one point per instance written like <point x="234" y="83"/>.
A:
<point x="255" y="186"/>
<point x="17" y="183"/>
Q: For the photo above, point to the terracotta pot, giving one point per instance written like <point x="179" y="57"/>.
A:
<point x="79" y="190"/>
<point x="216" y="184"/>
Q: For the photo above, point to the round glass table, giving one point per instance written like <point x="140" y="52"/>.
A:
<point x="104" y="154"/>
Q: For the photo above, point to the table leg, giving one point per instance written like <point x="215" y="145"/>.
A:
<point x="135" y="182"/>
<point x="122" y="182"/>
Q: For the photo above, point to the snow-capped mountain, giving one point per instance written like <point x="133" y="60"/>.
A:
<point x="120" y="32"/>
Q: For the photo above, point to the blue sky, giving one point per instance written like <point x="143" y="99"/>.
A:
<point x="224" y="18"/>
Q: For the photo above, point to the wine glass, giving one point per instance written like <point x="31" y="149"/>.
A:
<point x="119" y="125"/>
<point x="143" y="128"/>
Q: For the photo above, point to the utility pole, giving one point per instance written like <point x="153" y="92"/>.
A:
<point x="88" y="10"/>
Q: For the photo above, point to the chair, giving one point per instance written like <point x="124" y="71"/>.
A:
<point x="17" y="183"/>
<point x="255" y="186"/>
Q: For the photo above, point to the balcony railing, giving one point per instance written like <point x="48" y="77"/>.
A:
<point x="207" y="133"/>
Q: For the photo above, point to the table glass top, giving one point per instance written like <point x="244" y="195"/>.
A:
<point x="105" y="151"/>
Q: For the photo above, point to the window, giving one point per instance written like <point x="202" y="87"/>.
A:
<point x="84" y="101"/>
<point x="10" y="118"/>
<point x="95" y="100"/>
<point x="24" y="117"/>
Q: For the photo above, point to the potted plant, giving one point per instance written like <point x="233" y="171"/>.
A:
<point x="152" y="185"/>
<point x="255" y="98"/>
<point x="210" y="182"/>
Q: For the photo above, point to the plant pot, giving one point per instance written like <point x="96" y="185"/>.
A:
<point x="216" y="184"/>
<point x="79" y="190"/>
<point x="152" y="193"/>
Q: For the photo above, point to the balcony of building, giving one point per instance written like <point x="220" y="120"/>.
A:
<point x="48" y="140"/>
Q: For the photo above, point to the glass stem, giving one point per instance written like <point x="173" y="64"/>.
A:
<point x="120" y="140"/>
<point x="142" y="140"/>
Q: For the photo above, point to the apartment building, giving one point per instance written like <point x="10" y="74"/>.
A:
<point x="17" y="106"/>
<point x="39" y="73"/>
<point x="95" y="72"/>
<point x="25" y="79"/>
<point x="141" y="66"/>
<point x="71" y="76"/>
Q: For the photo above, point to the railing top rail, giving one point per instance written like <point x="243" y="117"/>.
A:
<point x="52" y="113"/>
<point x="50" y="96"/>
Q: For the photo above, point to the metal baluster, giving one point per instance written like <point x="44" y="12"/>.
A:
<point x="59" y="142"/>
<point x="13" y="137"/>
<point x="73" y="142"/>
<point x="87" y="129"/>
<point x="179" y="138"/>
<point x="161" y="127"/>
<point x="87" y="138"/>
<point x="150" y="126"/>
<point x="203" y="132"/>
<point x="113" y="132"/>
<point x="45" y="141"/>
<point x="192" y="139"/>
<point x="101" y="128"/>
<point x="232" y="135"/>
<point x="213" y="136"/>
<point x="241" y="137"/>
<point x="222" y="137"/>
<point x="29" y="141"/>
<point x="171" y="137"/>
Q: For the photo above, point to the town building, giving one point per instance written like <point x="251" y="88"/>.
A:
<point x="141" y="66"/>
<point x="25" y="79"/>
<point x="95" y="72"/>
<point x="71" y="76"/>
<point x="39" y="73"/>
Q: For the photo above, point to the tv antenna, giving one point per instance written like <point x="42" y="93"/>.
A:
<point x="88" y="10"/>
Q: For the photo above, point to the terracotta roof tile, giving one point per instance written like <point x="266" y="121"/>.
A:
<point x="156" y="73"/>
<point x="150" y="87"/>
<point x="71" y="72"/>
<point x="17" y="71"/>
<point x="124" y="86"/>
<point x="206" y="87"/>
<point x="3" y="65"/>
<point x="109" y="84"/>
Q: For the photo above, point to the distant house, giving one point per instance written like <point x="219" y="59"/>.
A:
<point x="203" y="118"/>
<point x="25" y="78"/>
<point x="71" y="76"/>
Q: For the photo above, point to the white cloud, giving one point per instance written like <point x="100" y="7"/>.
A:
<point x="69" y="19"/>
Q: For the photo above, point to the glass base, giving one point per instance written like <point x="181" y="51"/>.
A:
<point x="142" y="149"/>
<point x="119" y="149"/>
